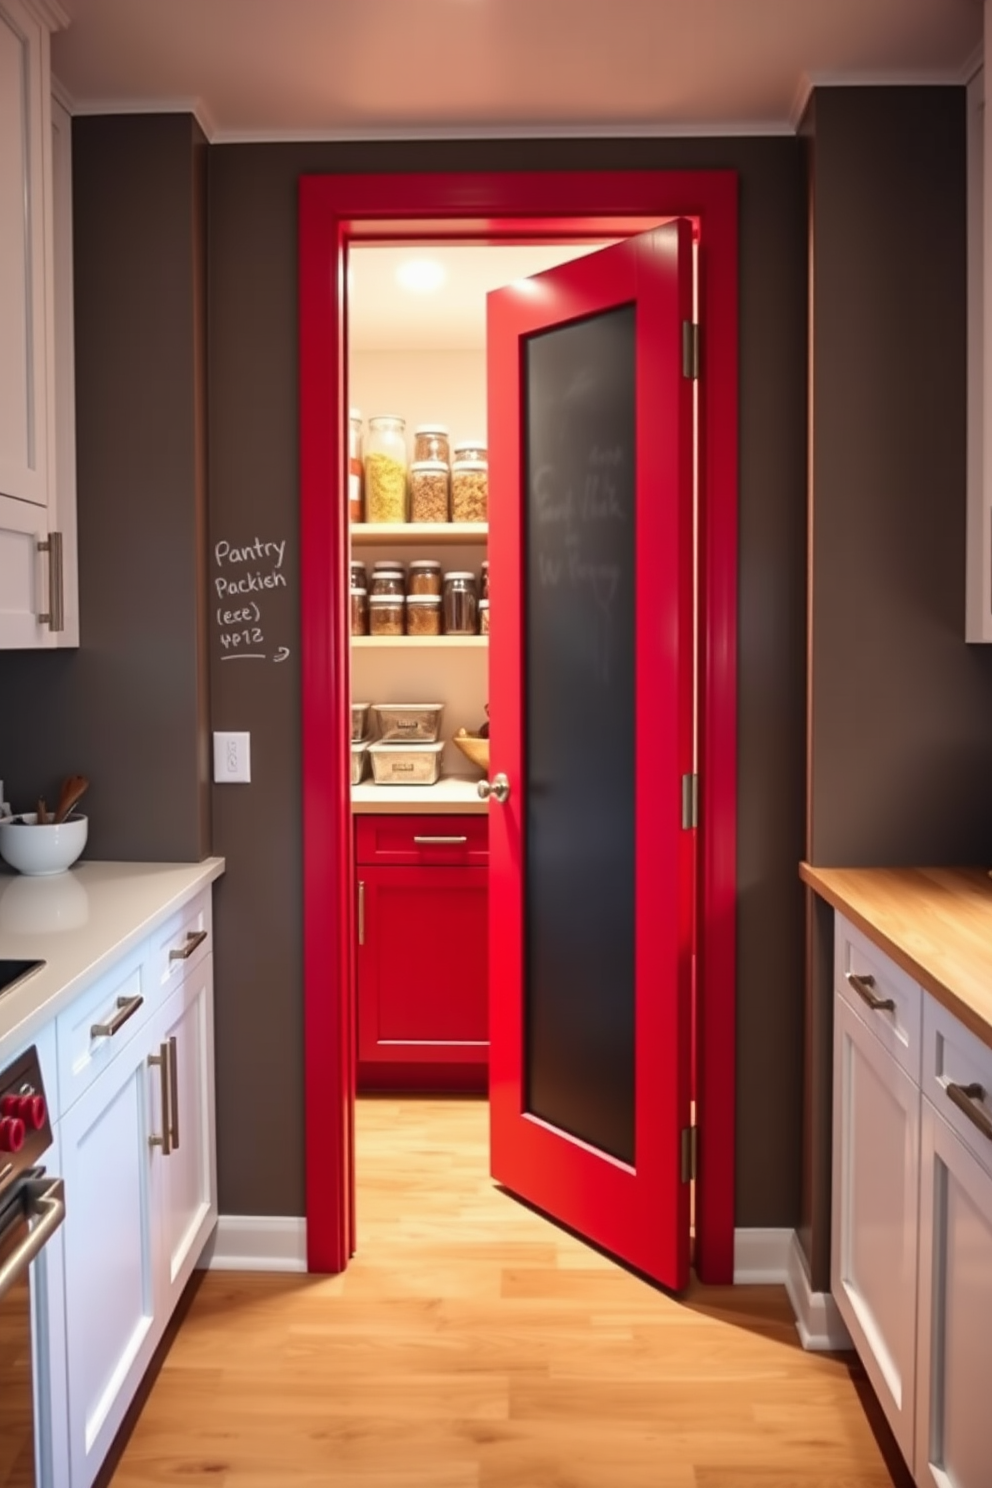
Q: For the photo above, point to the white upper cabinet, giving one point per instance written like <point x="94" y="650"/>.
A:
<point x="38" y="604"/>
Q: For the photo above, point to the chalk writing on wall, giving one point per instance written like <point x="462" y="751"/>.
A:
<point x="245" y="577"/>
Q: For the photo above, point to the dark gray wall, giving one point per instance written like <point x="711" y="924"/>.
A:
<point x="254" y="435"/>
<point x="900" y="707"/>
<point x="129" y="708"/>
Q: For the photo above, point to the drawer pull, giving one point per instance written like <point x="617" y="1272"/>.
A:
<point x="162" y="1060"/>
<point x="864" y="986"/>
<point x="193" y="939"/>
<point x="126" y="1008"/>
<point x="440" y="841"/>
<point x="173" y="1092"/>
<point x="964" y="1097"/>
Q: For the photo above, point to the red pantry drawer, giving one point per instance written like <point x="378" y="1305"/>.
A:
<point x="422" y="841"/>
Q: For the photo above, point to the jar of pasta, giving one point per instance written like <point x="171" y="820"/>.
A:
<point x="355" y="465"/>
<point x="428" y="491"/>
<point x="385" y="469"/>
<point x="430" y="442"/>
<point x="386" y="614"/>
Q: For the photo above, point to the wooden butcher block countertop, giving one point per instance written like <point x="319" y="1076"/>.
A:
<point x="936" y="923"/>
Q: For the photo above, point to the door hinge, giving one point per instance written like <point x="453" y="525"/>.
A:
<point x="690" y="1153"/>
<point x="690" y="801"/>
<point x="690" y="349"/>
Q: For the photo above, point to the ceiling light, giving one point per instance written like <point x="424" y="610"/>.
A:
<point x="421" y="275"/>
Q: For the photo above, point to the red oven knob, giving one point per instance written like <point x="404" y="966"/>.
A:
<point x="10" y="1105"/>
<point x="33" y="1111"/>
<point x="11" y="1134"/>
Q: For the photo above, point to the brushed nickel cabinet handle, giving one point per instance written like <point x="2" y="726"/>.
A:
<point x="498" y="789"/>
<point x="964" y="1097"/>
<point x="54" y="617"/>
<point x="193" y="939"/>
<point x="126" y="1008"/>
<point x="440" y="841"/>
<point x="46" y="1197"/>
<point x="161" y="1059"/>
<point x="361" y="913"/>
<point x="864" y="986"/>
<point x="173" y="1093"/>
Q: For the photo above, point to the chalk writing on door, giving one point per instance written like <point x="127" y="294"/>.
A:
<point x="246" y="576"/>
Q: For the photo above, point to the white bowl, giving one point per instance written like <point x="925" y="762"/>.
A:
<point x="40" y="851"/>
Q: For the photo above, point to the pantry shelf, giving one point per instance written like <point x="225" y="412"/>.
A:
<point x="411" y="643"/>
<point x="371" y="534"/>
<point x="453" y="794"/>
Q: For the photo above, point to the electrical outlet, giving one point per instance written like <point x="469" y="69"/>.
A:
<point x="232" y="759"/>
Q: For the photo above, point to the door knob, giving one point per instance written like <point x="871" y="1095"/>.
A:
<point x="498" y="788"/>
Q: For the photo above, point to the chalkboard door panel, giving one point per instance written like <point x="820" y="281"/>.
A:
<point x="591" y="663"/>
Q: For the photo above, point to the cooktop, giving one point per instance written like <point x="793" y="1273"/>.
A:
<point x="12" y="972"/>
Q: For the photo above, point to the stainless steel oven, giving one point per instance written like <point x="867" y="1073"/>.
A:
<point x="32" y="1206"/>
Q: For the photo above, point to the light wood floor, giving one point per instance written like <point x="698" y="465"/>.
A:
<point x="472" y="1344"/>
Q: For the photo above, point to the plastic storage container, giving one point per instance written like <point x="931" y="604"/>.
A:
<point x="429" y="491"/>
<point x="423" y="615"/>
<point x="359" y="721"/>
<point x="406" y="764"/>
<point x="359" y="761"/>
<point x="386" y="613"/>
<point x="401" y="721"/>
<point x="355" y="465"/>
<point x="385" y="469"/>
<point x="460" y="603"/>
<point x="430" y="442"/>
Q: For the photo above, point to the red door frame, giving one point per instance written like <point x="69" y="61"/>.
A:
<point x="512" y="205"/>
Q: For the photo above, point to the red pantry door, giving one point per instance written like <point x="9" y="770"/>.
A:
<point x="591" y="690"/>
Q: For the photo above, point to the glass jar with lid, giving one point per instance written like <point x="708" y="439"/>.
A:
<point x="430" y="442"/>
<point x="386" y="613"/>
<point x="359" y="612"/>
<point x="425" y="576"/>
<point x="359" y="575"/>
<point x="385" y="469"/>
<point x="484" y="580"/>
<point x="388" y="581"/>
<point x="429" y="481"/>
<point x="483" y="617"/>
<point x="471" y="449"/>
<point x="470" y="491"/>
<point x="460" y="601"/>
<point x="355" y="464"/>
<point x="423" y="615"/>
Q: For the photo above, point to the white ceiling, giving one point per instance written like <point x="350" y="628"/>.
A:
<point x="368" y="68"/>
<point x="383" y="316"/>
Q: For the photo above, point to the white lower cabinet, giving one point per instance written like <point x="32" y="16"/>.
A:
<point x="874" y="1213"/>
<point x="138" y="1159"/>
<point x="108" y="1166"/>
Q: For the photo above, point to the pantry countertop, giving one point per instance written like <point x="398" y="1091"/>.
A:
<point x="454" y="795"/>
<point x="936" y="923"/>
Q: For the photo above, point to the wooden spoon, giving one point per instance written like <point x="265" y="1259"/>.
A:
<point x="73" y="788"/>
<point x="41" y="815"/>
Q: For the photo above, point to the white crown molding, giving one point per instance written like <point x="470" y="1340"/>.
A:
<point x="761" y="1257"/>
<point x="194" y="106"/>
<point x="61" y="93"/>
<point x="249" y="1242"/>
<point x="50" y="14"/>
<point x="708" y="129"/>
<point x="818" y="1321"/>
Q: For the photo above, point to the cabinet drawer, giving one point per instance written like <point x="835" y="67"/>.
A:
<point x="864" y="975"/>
<point x="183" y="941"/>
<point x="956" y="1067"/>
<point x="121" y="1003"/>
<point x="423" y="841"/>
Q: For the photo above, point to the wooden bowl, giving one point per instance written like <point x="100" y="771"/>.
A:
<point x="476" y="749"/>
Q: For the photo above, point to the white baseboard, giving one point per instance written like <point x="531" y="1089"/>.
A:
<point x="761" y="1257"/>
<point x="818" y="1321"/>
<point x="248" y="1242"/>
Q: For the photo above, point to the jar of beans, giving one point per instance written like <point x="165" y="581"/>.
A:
<point x="425" y="576"/>
<point x="359" y="612"/>
<point x="388" y="581"/>
<point x="430" y="442"/>
<point x="460" y="604"/>
<point x="386" y="614"/>
<point x="470" y="491"/>
<point x="423" y="615"/>
<point x="385" y="469"/>
<point x="429" y="491"/>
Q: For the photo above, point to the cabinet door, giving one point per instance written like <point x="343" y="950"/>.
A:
<point x="953" y="1421"/>
<point x="876" y="1148"/>
<point x="109" y="1170"/>
<point x="23" y="589"/>
<point x="25" y="254"/>
<point x="188" y="1187"/>
<point x="423" y="965"/>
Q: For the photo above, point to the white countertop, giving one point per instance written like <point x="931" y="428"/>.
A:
<point x="453" y="795"/>
<point x="79" y="922"/>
